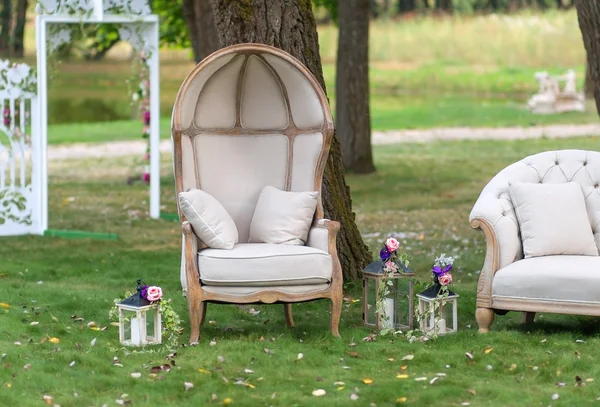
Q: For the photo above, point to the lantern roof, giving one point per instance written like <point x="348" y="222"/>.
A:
<point x="432" y="293"/>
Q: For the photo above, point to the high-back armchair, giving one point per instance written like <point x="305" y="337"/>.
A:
<point x="246" y="117"/>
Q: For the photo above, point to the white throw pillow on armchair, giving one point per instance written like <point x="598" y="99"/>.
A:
<point x="282" y="217"/>
<point x="553" y="219"/>
<point x="210" y="221"/>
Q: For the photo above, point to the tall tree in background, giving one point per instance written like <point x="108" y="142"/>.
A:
<point x="5" y="27"/>
<point x="200" y="21"/>
<point x="353" y="119"/>
<point x="588" y="15"/>
<point x="290" y="26"/>
<point x="18" y="48"/>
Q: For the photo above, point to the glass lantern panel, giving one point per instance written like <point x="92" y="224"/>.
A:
<point x="446" y="316"/>
<point x="371" y="302"/>
<point x="403" y="311"/>
<point x="134" y="327"/>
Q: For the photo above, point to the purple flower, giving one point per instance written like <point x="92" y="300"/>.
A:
<point x="146" y="177"/>
<point x="438" y="271"/>
<point x="144" y="291"/>
<point x="146" y="117"/>
<point x="384" y="254"/>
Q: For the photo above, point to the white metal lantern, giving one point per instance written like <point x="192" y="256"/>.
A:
<point x="139" y="321"/>
<point x="438" y="315"/>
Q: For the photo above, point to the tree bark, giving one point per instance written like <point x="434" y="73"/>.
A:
<point x="18" y="48"/>
<point x="6" y="28"/>
<point x="588" y="86"/>
<point x="199" y="18"/>
<point x="352" y="119"/>
<point x="290" y="26"/>
<point x="588" y="15"/>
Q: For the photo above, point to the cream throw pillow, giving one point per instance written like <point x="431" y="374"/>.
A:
<point x="211" y="222"/>
<point x="553" y="219"/>
<point x="282" y="217"/>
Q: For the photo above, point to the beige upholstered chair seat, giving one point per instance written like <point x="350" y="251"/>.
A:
<point x="267" y="265"/>
<point x="566" y="284"/>
<point x="550" y="278"/>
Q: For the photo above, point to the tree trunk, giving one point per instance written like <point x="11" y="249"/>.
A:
<point x="352" y="119"/>
<point x="406" y="6"/>
<point x="200" y="21"/>
<point x="443" y="5"/>
<point x="588" y="15"/>
<point x="588" y="87"/>
<point x="290" y="26"/>
<point x="6" y="28"/>
<point x="18" y="48"/>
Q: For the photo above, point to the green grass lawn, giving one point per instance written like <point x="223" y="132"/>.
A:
<point x="422" y="190"/>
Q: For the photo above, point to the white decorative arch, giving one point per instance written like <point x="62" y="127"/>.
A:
<point x="139" y="28"/>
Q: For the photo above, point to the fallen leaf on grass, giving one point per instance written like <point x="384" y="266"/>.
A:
<point x="512" y="367"/>
<point x="488" y="350"/>
<point x="578" y="381"/>
<point x="435" y="379"/>
<point x="213" y="343"/>
<point x="72" y="364"/>
<point x="91" y="324"/>
<point x="300" y="356"/>
<point x="34" y="323"/>
<point x="555" y="396"/>
<point x="54" y="340"/>
<point x="370" y="338"/>
<point x="589" y="380"/>
<point x="4" y="305"/>
<point x="400" y="400"/>
<point x="227" y="401"/>
<point x="248" y="371"/>
<point x="47" y="399"/>
<point x="27" y="366"/>
<point x="188" y="385"/>
<point x="338" y="383"/>
<point x="204" y="371"/>
<point x="472" y="392"/>
<point x="93" y="342"/>
<point x="354" y="397"/>
<point x="404" y="367"/>
<point x="401" y="376"/>
<point x="469" y="355"/>
<point x="543" y="340"/>
<point x="136" y="375"/>
<point x="268" y="351"/>
<point x="408" y="357"/>
<point x="17" y="343"/>
<point x="420" y="379"/>
<point x="319" y="392"/>
<point x="367" y="381"/>
<point x="353" y="354"/>
<point x="579" y="341"/>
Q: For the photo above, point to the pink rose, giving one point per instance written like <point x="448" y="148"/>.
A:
<point x="390" y="266"/>
<point x="154" y="293"/>
<point x="392" y="244"/>
<point x="445" y="279"/>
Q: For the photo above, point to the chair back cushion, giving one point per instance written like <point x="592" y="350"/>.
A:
<point x="248" y="116"/>
<point x="552" y="167"/>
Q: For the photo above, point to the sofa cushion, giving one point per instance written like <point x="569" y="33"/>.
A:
<point x="264" y="264"/>
<point x="282" y="217"/>
<point x="553" y="219"/>
<point x="249" y="290"/>
<point x="210" y="221"/>
<point x="551" y="278"/>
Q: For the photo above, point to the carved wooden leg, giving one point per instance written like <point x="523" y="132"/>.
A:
<point x="527" y="317"/>
<point x="336" y="313"/>
<point x="196" y="310"/>
<point x="203" y="307"/>
<point x="485" y="317"/>
<point x="289" y="319"/>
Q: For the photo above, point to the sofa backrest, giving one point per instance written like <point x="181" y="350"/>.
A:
<point x="245" y="117"/>
<point x="554" y="167"/>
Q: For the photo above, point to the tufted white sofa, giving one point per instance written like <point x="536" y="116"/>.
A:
<point x="556" y="284"/>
